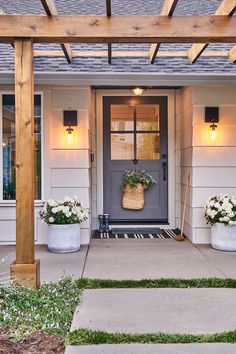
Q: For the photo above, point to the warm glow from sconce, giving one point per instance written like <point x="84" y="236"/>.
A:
<point x="213" y="127"/>
<point x="70" y="135"/>
<point x="138" y="91"/>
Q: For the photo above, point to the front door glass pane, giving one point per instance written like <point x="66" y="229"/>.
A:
<point x="148" y="117"/>
<point x="122" y="117"/>
<point x="148" y="146"/>
<point x="122" y="146"/>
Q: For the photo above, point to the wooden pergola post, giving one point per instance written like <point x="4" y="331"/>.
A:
<point x="25" y="269"/>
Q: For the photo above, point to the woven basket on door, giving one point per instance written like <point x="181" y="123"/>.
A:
<point x="133" y="197"/>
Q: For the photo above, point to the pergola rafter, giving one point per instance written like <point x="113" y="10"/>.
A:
<point x="167" y="10"/>
<point x="51" y="10"/>
<point x="109" y="49"/>
<point x="226" y="8"/>
<point x="24" y="31"/>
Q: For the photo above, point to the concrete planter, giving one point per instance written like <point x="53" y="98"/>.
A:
<point x="223" y="237"/>
<point x="64" y="238"/>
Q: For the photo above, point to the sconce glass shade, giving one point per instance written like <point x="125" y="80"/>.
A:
<point x="213" y="127"/>
<point x="138" y="91"/>
<point x="70" y="135"/>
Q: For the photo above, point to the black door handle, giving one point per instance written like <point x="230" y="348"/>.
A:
<point x="164" y="167"/>
<point x="135" y="161"/>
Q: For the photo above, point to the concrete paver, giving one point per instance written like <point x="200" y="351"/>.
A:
<point x="52" y="266"/>
<point x="193" y="311"/>
<point x="218" y="348"/>
<point x="148" y="258"/>
<point x="223" y="261"/>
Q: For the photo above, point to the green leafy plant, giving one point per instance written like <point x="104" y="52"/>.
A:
<point x="49" y="309"/>
<point x="132" y="178"/>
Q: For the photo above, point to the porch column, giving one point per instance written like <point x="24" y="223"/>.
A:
<point x="25" y="269"/>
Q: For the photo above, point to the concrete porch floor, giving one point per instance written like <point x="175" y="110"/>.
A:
<point x="131" y="259"/>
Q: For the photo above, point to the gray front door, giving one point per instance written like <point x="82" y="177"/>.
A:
<point x="135" y="131"/>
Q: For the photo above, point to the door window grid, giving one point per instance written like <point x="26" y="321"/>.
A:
<point x="145" y="144"/>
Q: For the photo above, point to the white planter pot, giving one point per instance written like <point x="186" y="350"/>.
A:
<point x="64" y="238"/>
<point x="223" y="237"/>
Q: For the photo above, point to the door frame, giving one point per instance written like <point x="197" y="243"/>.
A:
<point x="170" y="94"/>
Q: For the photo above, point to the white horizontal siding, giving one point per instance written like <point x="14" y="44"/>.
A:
<point x="214" y="177"/>
<point x="70" y="178"/>
<point x="211" y="156"/>
<point x="70" y="98"/>
<point x="83" y="194"/>
<point x="70" y="159"/>
<point x="200" y="194"/>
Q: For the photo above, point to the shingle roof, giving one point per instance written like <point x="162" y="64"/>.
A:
<point x="214" y="65"/>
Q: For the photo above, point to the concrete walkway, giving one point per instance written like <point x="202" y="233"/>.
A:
<point x="52" y="266"/>
<point x="156" y="258"/>
<point x="218" y="348"/>
<point x="185" y="311"/>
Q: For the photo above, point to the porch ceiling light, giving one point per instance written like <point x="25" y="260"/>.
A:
<point x="212" y="116"/>
<point x="138" y="91"/>
<point x="70" y="120"/>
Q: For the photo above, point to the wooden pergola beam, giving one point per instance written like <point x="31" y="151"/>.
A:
<point x="25" y="269"/>
<point x="226" y="8"/>
<point x="109" y="46"/>
<point x="2" y="13"/>
<point x="51" y="10"/>
<point x="167" y="10"/>
<point x="119" y="29"/>
<point x="78" y="53"/>
<point x="232" y="54"/>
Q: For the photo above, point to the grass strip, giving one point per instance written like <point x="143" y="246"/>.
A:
<point x="86" y="337"/>
<point x="156" y="283"/>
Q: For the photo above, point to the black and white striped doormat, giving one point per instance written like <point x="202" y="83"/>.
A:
<point x="160" y="233"/>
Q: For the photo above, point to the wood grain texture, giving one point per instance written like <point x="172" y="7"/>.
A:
<point x="232" y="54"/>
<point x="78" y="53"/>
<point x="226" y="8"/>
<point x="167" y="10"/>
<point x="119" y="29"/>
<point x="26" y="274"/>
<point x="25" y="176"/>
<point x="51" y="10"/>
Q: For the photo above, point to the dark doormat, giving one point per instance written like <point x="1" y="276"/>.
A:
<point x="136" y="233"/>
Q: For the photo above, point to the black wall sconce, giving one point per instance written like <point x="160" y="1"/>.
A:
<point x="70" y="120"/>
<point x="212" y="116"/>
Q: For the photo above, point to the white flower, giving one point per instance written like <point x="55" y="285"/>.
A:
<point x="55" y="210"/>
<point x="68" y="214"/>
<point x="52" y="203"/>
<point x="51" y="219"/>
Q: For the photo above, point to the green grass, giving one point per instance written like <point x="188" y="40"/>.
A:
<point x="86" y="336"/>
<point x="49" y="309"/>
<point x="156" y="283"/>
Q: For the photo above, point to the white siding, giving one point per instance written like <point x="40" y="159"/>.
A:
<point x="66" y="168"/>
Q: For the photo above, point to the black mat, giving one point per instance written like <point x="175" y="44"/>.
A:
<point x="136" y="234"/>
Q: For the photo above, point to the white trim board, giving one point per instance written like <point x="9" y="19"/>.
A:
<point x="171" y="146"/>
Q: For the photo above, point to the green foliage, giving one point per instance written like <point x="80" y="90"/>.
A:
<point x="132" y="178"/>
<point x="86" y="336"/>
<point x="49" y="309"/>
<point x="156" y="283"/>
